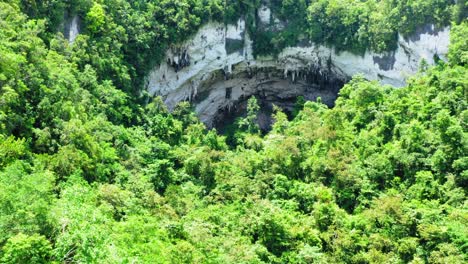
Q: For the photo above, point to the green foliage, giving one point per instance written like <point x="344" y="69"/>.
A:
<point x="458" y="53"/>
<point x="26" y="249"/>
<point x="90" y="175"/>
<point x="351" y="25"/>
<point x="26" y="196"/>
<point x="11" y="150"/>
<point x="249" y="123"/>
<point x="95" y="18"/>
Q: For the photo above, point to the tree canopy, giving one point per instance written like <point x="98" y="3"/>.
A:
<point x="90" y="173"/>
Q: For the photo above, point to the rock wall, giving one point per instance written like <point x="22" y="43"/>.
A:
<point x="391" y="68"/>
<point x="71" y="27"/>
<point x="216" y="69"/>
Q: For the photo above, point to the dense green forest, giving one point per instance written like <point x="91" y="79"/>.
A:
<point x="92" y="173"/>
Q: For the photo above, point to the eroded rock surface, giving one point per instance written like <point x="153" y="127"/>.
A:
<point x="216" y="69"/>
<point x="71" y="27"/>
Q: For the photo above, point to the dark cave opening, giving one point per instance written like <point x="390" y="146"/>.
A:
<point x="309" y="85"/>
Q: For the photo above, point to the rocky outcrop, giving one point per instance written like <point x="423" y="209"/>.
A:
<point x="208" y="57"/>
<point x="216" y="69"/>
<point x="71" y="27"/>
<point x="389" y="68"/>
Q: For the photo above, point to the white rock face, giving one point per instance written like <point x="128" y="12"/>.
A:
<point x="395" y="67"/>
<point x="74" y="29"/>
<point x="207" y="54"/>
<point x="264" y="14"/>
<point x="392" y="68"/>
<point x="268" y="20"/>
<point x="218" y="57"/>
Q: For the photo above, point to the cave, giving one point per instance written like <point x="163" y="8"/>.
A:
<point x="216" y="71"/>
<point x="222" y="99"/>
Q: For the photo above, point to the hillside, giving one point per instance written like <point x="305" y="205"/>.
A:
<point x="321" y="163"/>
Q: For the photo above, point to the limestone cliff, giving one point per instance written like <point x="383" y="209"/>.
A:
<point x="71" y="27"/>
<point x="216" y="69"/>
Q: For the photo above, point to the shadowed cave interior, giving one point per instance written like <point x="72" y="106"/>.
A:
<point x="270" y="87"/>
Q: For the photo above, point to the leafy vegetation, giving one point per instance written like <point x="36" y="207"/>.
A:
<point x="354" y="25"/>
<point x="123" y="40"/>
<point x="90" y="175"/>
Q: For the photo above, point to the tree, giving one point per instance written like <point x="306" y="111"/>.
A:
<point x="23" y="249"/>
<point x="95" y="18"/>
<point x="26" y="194"/>
<point x="249" y="123"/>
<point x="458" y="51"/>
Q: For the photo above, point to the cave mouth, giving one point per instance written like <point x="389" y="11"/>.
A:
<point x="270" y="87"/>
<point x="226" y="118"/>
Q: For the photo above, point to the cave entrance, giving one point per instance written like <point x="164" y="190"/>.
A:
<point x="270" y="87"/>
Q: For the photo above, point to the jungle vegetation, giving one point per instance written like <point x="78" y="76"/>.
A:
<point x="92" y="170"/>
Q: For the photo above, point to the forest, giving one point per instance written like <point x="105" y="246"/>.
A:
<point x="94" y="170"/>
